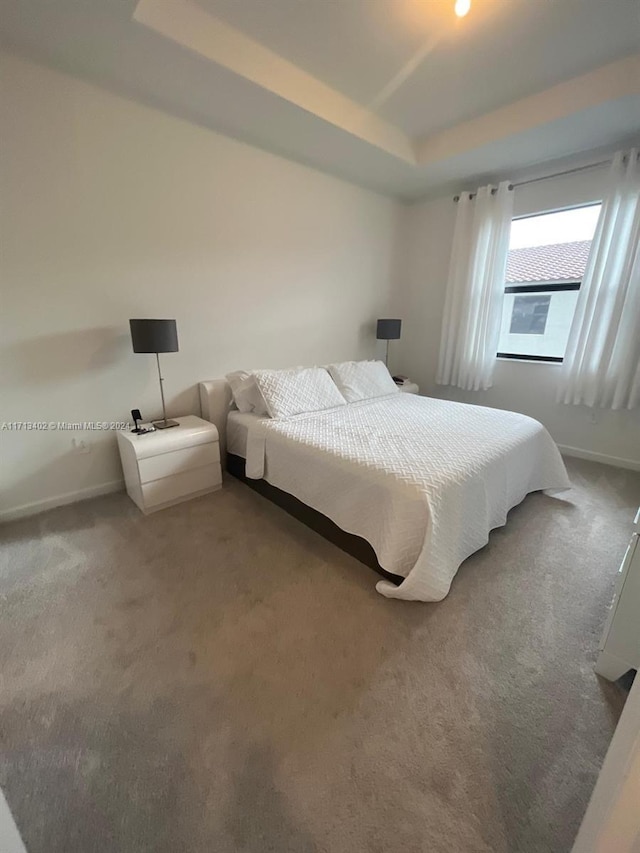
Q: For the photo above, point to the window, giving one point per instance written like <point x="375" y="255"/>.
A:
<point x="547" y="258"/>
<point x="529" y="315"/>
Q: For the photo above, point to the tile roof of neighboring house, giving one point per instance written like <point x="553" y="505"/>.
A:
<point x="555" y="262"/>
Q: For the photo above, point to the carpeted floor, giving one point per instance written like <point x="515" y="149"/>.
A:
<point x="218" y="678"/>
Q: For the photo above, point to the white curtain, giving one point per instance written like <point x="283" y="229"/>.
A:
<point x="475" y="289"/>
<point x="602" y="361"/>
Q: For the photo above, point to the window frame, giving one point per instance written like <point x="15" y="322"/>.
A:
<point x="538" y="287"/>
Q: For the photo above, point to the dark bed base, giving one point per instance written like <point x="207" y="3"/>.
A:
<point x="356" y="546"/>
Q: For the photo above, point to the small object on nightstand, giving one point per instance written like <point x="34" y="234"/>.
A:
<point x="167" y="467"/>
<point x="138" y="429"/>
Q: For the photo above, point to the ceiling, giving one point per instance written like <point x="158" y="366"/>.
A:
<point x="397" y="95"/>
<point x="358" y="47"/>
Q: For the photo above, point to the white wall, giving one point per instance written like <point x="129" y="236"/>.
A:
<point x="522" y="387"/>
<point x="111" y="210"/>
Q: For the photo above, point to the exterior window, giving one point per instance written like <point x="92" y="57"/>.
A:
<point x="529" y="314"/>
<point x="547" y="258"/>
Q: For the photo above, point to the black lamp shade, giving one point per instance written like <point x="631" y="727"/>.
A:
<point x="154" y="335"/>
<point x="388" y="330"/>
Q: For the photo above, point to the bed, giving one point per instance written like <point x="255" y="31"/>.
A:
<point x="422" y="481"/>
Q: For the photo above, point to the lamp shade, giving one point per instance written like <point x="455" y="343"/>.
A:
<point x="388" y="330"/>
<point x="154" y="335"/>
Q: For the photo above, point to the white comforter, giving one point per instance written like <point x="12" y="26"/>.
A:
<point x="422" y="480"/>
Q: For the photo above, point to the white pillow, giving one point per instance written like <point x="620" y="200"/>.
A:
<point x="246" y="394"/>
<point x="362" y="380"/>
<point x="300" y="389"/>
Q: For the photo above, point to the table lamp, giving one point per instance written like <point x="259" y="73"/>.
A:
<point x="156" y="336"/>
<point x="388" y="330"/>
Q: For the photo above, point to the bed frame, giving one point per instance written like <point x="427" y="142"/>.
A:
<point x="215" y="403"/>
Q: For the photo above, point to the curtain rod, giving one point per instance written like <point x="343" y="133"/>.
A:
<point x="547" y="177"/>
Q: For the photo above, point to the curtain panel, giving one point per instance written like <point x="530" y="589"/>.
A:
<point x="602" y="361"/>
<point x="475" y="289"/>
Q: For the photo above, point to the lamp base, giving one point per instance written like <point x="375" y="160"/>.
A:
<point x="165" y="424"/>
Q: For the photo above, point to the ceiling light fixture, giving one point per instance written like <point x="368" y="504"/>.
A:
<point x="462" y="7"/>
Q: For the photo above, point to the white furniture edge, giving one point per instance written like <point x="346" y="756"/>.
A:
<point x="611" y="823"/>
<point x="10" y="841"/>
<point x="618" y="648"/>
<point x="199" y="493"/>
<point x="25" y="510"/>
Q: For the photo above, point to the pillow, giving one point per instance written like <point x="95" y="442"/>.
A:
<point x="362" y="380"/>
<point x="246" y="394"/>
<point x="300" y="389"/>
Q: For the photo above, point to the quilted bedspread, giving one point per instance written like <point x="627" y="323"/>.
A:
<point x="422" y="480"/>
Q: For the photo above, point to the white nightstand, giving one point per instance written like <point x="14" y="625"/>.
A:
<point x="169" y="466"/>
<point x="409" y="388"/>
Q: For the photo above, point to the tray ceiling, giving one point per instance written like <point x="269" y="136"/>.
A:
<point x="397" y="95"/>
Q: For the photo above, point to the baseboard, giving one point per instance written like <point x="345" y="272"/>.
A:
<point x="592" y="456"/>
<point x="60" y="500"/>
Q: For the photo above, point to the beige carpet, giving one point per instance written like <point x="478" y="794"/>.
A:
<point x="219" y="678"/>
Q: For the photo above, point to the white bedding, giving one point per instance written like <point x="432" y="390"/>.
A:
<point x="422" y="480"/>
<point x="238" y="424"/>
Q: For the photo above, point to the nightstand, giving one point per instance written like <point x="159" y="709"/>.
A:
<point x="409" y="388"/>
<point x="169" y="466"/>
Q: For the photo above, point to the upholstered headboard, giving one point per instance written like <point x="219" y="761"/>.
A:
<point x="215" y="402"/>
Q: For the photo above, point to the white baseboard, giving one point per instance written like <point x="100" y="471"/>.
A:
<point x="60" y="500"/>
<point x="616" y="461"/>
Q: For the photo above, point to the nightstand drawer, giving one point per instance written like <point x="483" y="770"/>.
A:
<point x="178" y="485"/>
<point x="178" y="461"/>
